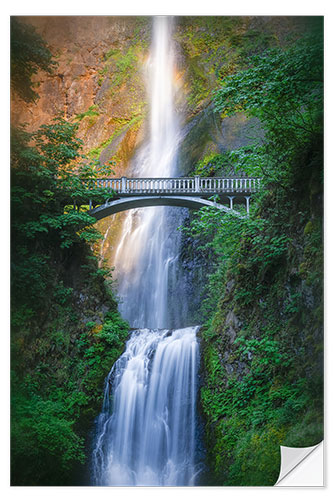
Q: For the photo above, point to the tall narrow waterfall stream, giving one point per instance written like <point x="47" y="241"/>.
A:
<point x="146" y="431"/>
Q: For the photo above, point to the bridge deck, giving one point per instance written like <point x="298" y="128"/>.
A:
<point x="191" y="186"/>
<point x="190" y="192"/>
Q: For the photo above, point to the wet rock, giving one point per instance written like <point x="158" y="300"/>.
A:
<point x="230" y="285"/>
<point x="233" y="325"/>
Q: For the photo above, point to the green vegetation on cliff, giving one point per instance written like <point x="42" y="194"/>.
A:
<point x="66" y="331"/>
<point x="217" y="46"/>
<point x="121" y="85"/>
<point x="263" y="338"/>
<point x="29" y="54"/>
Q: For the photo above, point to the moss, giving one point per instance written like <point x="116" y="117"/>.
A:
<point x="91" y="112"/>
<point x="308" y="228"/>
<point x="111" y="53"/>
<point x="122" y="124"/>
<point x="257" y="458"/>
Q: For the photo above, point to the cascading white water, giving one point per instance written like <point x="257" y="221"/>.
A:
<point x="149" y="439"/>
<point x="146" y="432"/>
<point x="147" y="255"/>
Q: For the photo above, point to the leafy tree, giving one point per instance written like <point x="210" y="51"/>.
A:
<point x="56" y="381"/>
<point x="48" y="175"/>
<point x="284" y="90"/>
<point x="29" y="54"/>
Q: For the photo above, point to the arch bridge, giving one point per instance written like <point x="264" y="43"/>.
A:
<point x="189" y="192"/>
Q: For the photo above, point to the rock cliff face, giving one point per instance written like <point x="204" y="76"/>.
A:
<point x="100" y="79"/>
<point x="98" y="82"/>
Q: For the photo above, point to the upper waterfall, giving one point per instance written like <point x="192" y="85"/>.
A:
<point x="147" y="257"/>
<point x="164" y="127"/>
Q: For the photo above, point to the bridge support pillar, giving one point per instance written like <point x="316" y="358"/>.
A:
<point x="123" y="184"/>
<point x="231" y="198"/>
<point x="247" y="199"/>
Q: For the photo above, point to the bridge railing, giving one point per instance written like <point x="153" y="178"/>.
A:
<point x="203" y="185"/>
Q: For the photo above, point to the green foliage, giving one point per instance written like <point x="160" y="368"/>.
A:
<point x="125" y="65"/>
<point x="216" y="47"/>
<point x="29" y="54"/>
<point x="288" y="82"/>
<point x="111" y="53"/>
<point x="100" y="348"/>
<point x="257" y="457"/>
<point x="59" y="361"/>
<point x="91" y="112"/>
<point x="120" y="66"/>
<point x="56" y="398"/>
<point x="122" y="126"/>
<point x="46" y="177"/>
<point x="284" y="89"/>
<point x="207" y="43"/>
<point x="43" y="439"/>
<point x="255" y="279"/>
<point x="262" y="341"/>
<point x="268" y="351"/>
<point x="249" y="161"/>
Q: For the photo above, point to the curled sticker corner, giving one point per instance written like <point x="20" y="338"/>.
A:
<point x="302" y="466"/>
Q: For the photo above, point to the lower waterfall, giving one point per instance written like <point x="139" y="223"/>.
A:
<point x="146" y="431"/>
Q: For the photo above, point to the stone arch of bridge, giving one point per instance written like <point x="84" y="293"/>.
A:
<point x="119" y="205"/>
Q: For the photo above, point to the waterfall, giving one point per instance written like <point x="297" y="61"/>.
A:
<point x="146" y="431"/>
<point x="146" y="260"/>
<point x="145" y="434"/>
